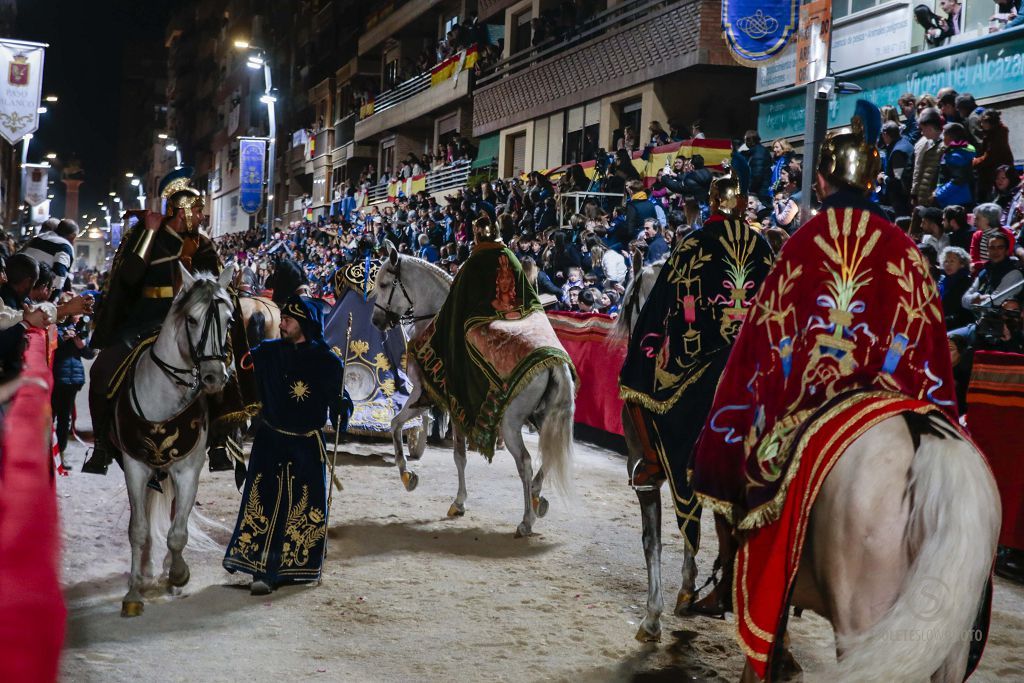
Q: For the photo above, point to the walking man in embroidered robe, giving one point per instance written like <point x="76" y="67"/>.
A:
<point x="282" y="524"/>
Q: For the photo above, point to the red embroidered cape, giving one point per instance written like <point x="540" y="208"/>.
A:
<point x="848" y="305"/>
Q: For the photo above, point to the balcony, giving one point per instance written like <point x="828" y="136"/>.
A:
<point x="389" y="24"/>
<point x="451" y="177"/>
<point x="345" y="131"/>
<point x="631" y="43"/>
<point x="417" y="98"/>
<point x="323" y="143"/>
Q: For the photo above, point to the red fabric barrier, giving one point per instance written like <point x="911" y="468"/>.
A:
<point x="995" y="402"/>
<point x="585" y="338"/>
<point x="32" y="612"/>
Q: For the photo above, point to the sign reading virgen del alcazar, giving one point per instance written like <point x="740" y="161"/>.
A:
<point x="21" y="84"/>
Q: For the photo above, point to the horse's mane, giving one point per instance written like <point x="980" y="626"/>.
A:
<point x="202" y="292"/>
<point x="430" y="268"/>
<point x="630" y="305"/>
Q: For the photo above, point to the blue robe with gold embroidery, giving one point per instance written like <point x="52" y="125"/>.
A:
<point x="282" y="525"/>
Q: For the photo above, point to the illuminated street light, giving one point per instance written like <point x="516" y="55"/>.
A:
<point x="135" y="182"/>
<point x="42" y="110"/>
<point x="242" y="44"/>
<point x="51" y="156"/>
<point x="129" y="174"/>
<point x="162" y="136"/>
<point x="52" y="99"/>
<point x="171" y="147"/>
<point x="269" y="98"/>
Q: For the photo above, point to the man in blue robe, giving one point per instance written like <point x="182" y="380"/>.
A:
<point x="282" y="524"/>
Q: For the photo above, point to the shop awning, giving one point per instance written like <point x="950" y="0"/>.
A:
<point x="487" y="154"/>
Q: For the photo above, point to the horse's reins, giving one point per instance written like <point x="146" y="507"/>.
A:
<point x="407" y="317"/>
<point x="176" y="374"/>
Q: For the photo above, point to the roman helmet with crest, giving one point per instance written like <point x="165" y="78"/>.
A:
<point x="485" y="230"/>
<point x="849" y="157"/>
<point x="728" y="194"/>
<point x="176" y="189"/>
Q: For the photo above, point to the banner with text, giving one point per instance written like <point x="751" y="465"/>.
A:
<point x="21" y="86"/>
<point x="252" y="156"/>
<point x="756" y="31"/>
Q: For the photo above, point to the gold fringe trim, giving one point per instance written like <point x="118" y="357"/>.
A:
<point x="654" y="405"/>
<point x="239" y="416"/>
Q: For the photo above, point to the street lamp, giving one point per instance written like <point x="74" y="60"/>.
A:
<point x="258" y="58"/>
<point x="172" y="146"/>
<point x="51" y="156"/>
<point x="52" y="99"/>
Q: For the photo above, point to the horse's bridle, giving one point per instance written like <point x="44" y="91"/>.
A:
<point x="407" y="317"/>
<point x="210" y="323"/>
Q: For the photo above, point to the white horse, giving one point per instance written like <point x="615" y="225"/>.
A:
<point x="633" y="299"/>
<point x="898" y="552"/>
<point x="188" y="360"/>
<point x="412" y="290"/>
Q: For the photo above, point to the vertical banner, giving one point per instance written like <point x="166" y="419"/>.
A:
<point x="252" y="156"/>
<point x="756" y="31"/>
<point x="812" y="41"/>
<point x="21" y="86"/>
<point x="40" y="212"/>
<point x="37" y="183"/>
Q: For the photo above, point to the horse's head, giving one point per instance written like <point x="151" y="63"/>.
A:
<point x="391" y="299"/>
<point x="200" y="317"/>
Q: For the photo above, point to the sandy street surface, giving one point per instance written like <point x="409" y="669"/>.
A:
<point x="409" y="595"/>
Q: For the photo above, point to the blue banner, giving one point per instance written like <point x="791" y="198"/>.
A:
<point x="252" y="156"/>
<point x="756" y="31"/>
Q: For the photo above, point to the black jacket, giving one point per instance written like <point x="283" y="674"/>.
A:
<point x="637" y="211"/>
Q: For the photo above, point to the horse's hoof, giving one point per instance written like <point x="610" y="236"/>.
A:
<point x="540" y="506"/>
<point x="131" y="608"/>
<point x="410" y="479"/>
<point x="683" y="603"/>
<point x="179" y="580"/>
<point x="645" y="636"/>
<point x="456" y="510"/>
<point x="523" y="531"/>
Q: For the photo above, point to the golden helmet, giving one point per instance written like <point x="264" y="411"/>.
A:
<point x="484" y="230"/>
<point x="849" y="157"/>
<point x="728" y="194"/>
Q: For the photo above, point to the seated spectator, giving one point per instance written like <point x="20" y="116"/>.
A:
<point x="995" y="283"/>
<point x="933" y="232"/>
<point x="954" y="283"/>
<point x="1004" y="189"/>
<point x="954" y="222"/>
<point x="658" y="134"/>
<point x="986" y="223"/>
<point x="612" y="264"/>
<point x="539" y="279"/>
<point x="589" y="300"/>
<point x="785" y="209"/>
<point x="427" y="251"/>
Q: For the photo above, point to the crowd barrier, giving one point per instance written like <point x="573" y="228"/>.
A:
<point x="585" y="337"/>
<point x="995" y="404"/>
<point x="32" y="612"/>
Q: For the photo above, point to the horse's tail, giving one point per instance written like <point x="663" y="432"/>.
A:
<point x="954" y="519"/>
<point x="159" y="507"/>
<point x="556" y="444"/>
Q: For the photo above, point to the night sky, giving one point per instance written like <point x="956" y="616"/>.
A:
<point x="87" y="41"/>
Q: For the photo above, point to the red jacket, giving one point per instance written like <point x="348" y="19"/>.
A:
<point x="977" y="261"/>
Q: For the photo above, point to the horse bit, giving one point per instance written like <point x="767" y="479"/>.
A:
<point x="407" y="317"/>
<point x="210" y="322"/>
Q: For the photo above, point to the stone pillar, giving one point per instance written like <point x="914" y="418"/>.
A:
<point x="71" y="198"/>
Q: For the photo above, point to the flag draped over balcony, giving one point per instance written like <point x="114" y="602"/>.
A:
<point x="756" y="31"/>
<point x="453" y="65"/>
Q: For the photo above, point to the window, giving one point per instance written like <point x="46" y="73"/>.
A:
<point x="842" y="8"/>
<point x="629" y="116"/>
<point x="520" y="32"/>
<point x="450" y="24"/>
<point x="387" y="157"/>
<point x="515" y="155"/>
<point x="390" y="74"/>
<point x="581" y="130"/>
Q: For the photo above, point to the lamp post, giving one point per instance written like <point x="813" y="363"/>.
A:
<point x="258" y="59"/>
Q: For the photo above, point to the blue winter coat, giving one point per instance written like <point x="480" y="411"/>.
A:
<point x="67" y="359"/>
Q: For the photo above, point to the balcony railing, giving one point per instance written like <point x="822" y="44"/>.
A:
<point x="322" y="143"/>
<point x="399" y="94"/>
<point x="450" y="177"/>
<point x="601" y="23"/>
<point x="345" y="130"/>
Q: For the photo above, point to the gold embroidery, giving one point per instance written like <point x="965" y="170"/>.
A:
<point x="303" y="531"/>
<point x="300" y="391"/>
<point x="254" y="526"/>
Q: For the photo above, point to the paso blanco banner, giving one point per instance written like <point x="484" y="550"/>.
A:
<point x="37" y="183"/>
<point x="40" y="212"/>
<point x="21" y="84"/>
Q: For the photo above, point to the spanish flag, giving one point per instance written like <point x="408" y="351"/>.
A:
<point x="453" y="65"/>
